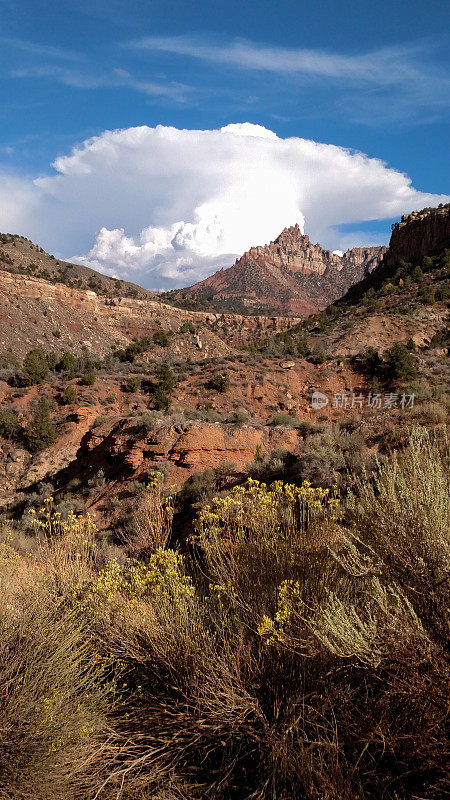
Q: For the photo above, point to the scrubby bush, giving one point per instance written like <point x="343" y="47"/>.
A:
<point x="147" y="421"/>
<point x="370" y="362"/>
<point x="219" y="382"/>
<point x="427" y="294"/>
<point x="166" y="378"/>
<point x="303" y="349"/>
<point x="443" y="292"/>
<point x="135" y="348"/>
<point x="89" y="378"/>
<point x="318" y="356"/>
<point x="162" y="337"/>
<point x="69" y="395"/>
<point x="399" y="363"/>
<point x="301" y="652"/>
<point x="330" y="456"/>
<point x="284" y="419"/>
<point x="133" y="384"/>
<point x="10" y="427"/>
<point x="98" y="421"/>
<point x="8" y="360"/>
<point x="200" y="486"/>
<point x="440" y="338"/>
<point x="269" y="466"/>
<point x="161" y="400"/>
<point x="238" y="417"/>
<point x="40" y="431"/>
<point x="285" y="343"/>
<point x="396" y="364"/>
<point x="188" y="327"/>
<point x="67" y="364"/>
<point x="35" y="366"/>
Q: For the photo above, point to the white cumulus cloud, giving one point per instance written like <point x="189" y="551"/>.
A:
<point x="166" y="207"/>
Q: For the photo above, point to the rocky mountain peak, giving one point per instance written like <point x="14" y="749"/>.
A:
<point x="290" y="273"/>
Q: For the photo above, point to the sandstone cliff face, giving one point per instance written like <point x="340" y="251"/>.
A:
<point x="419" y="234"/>
<point x="290" y="273"/>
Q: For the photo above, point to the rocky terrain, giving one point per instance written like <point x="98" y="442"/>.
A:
<point x="419" y="234"/>
<point x="290" y="274"/>
<point x="35" y="311"/>
<point x="135" y="385"/>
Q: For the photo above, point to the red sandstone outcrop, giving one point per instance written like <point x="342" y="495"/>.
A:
<point x="418" y="235"/>
<point x="83" y="413"/>
<point x="193" y="448"/>
<point x="290" y="273"/>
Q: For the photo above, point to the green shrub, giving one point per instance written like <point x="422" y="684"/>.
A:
<point x="161" y="399"/>
<point x="440" y="339"/>
<point x="166" y="378"/>
<point x="98" y="421"/>
<point x="188" y="327"/>
<point x="35" y="366"/>
<point x="162" y="337"/>
<point x="370" y="362"/>
<point x="40" y="432"/>
<point x="135" y="348"/>
<point x="318" y="356"/>
<point x="219" y="382"/>
<point x="89" y="378"/>
<point x="133" y="384"/>
<point x="8" y="360"/>
<point x="238" y="417"/>
<point x="284" y="419"/>
<point x="200" y="486"/>
<point x="443" y="292"/>
<point x="70" y="395"/>
<point x="147" y="421"/>
<point x="67" y="364"/>
<point x="427" y="294"/>
<point x="399" y="363"/>
<point x="10" y="427"/>
<point x="303" y="349"/>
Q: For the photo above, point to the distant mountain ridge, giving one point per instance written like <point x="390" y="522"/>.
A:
<point x="290" y="274"/>
<point x="20" y="256"/>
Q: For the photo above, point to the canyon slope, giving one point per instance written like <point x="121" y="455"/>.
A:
<point x="135" y="385"/>
<point x="290" y="274"/>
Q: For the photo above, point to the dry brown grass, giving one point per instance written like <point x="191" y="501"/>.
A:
<point x="295" y="657"/>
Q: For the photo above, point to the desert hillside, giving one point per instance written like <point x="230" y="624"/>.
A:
<point x="133" y="384"/>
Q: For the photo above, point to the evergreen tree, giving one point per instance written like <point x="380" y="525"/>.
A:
<point x="35" y="366"/>
<point x="40" y="432"/>
<point x="69" y="395"/>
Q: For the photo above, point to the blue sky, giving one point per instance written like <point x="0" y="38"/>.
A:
<point x="372" y="77"/>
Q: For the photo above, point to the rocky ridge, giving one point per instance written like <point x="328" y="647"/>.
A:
<point x="419" y="234"/>
<point x="35" y="312"/>
<point x="291" y="274"/>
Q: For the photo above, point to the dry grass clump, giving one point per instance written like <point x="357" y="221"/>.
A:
<point x="55" y="691"/>
<point x="299" y="652"/>
<point x="150" y="525"/>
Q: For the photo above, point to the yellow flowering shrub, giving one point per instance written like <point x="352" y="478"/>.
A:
<point x="160" y="579"/>
<point x="258" y="508"/>
<point x="75" y="533"/>
<point x="256" y="537"/>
